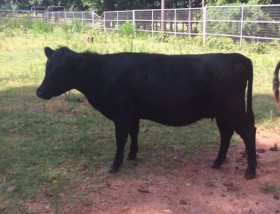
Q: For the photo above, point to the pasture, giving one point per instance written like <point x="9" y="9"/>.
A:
<point x="54" y="154"/>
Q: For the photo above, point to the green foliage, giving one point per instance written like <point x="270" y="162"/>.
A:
<point x="226" y="26"/>
<point x="268" y="187"/>
<point x="39" y="26"/>
<point x="105" y="5"/>
<point x="66" y="28"/>
<point x="162" y="37"/>
<point x="77" y="26"/>
<point x="221" y="43"/>
<point x="259" y="47"/>
<point x="127" y="29"/>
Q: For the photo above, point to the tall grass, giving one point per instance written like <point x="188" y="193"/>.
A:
<point x="48" y="145"/>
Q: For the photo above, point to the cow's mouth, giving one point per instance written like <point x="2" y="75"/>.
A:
<point x="42" y="95"/>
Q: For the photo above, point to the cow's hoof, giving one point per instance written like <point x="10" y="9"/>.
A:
<point x="131" y="157"/>
<point x="250" y="175"/>
<point x="113" y="169"/>
<point x="215" y="166"/>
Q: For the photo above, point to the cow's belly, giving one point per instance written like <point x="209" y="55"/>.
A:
<point x="174" y="118"/>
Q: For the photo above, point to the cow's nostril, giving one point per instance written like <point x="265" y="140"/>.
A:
<point x="39" y="93"/>
<point x="42" y="95"/>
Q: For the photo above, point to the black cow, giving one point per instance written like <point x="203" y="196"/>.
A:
<point x="173" y="90"/>
<point x="275" y="85"/>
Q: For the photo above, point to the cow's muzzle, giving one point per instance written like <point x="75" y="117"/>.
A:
<point x="42" y="95"/>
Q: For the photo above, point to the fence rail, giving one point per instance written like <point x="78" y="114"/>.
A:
<point x="258" y="22"/>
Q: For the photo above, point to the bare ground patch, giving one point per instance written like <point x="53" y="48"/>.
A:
<point x="188" y="186"/>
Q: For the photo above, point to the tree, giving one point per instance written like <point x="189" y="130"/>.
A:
<point x="107" y="5"/>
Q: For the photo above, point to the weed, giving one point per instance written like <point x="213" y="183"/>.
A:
<point x="221" y="43"/>
<point x="77" y="26"/>
<point x="269" y="188"/>
<point x="127" y="29"/>
<point x="39" y="26"/>
<point x="274" y="148"/>
<point x="69" y="96"/>
<point x="162" y="37"/>
<point x="258" y="47"/>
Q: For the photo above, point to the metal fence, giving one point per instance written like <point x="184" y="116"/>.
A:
<point x="257" y="22"/>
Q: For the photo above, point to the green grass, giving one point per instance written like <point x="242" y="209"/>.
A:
<point x="269" y="188"/>
<point x="55" y="144"/>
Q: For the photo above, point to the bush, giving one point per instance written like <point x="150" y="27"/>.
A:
<point x="258" y="47"/>
<point x="127" y="29"/>
<point x="220" y="43"/>
<point x="161" y="37"/>
<point x="77" y="26"/>
<point x="39" y="26"/>
<point x="229" y="21"/>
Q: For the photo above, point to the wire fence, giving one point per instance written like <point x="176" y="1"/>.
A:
<point x="249" y="22"/>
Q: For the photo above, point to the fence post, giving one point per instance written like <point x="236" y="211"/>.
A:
<point x="175" y="21"/>
<point x="133" y="21"/>
<point x="92" y="19"/>
<point x="162" y="20"/>
<point x="47" y="16"/>
<point x="152" y="22"/>
<point x="118" y="20"/>
<point x="104" y="22"/>
<point x="241" y="26"/>
<point x="204" y="11"/>
<point x="73" y="17"/>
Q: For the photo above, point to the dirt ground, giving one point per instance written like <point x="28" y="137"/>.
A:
<point x="187" y="187"/>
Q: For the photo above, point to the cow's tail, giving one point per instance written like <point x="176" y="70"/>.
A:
<point x="275" y="85"/>
<point x="250" y="112"/>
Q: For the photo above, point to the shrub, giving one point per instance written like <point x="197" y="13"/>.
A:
<point x="220" y="43"/>
<point x="77" y="26"/>
<point x="127" y="29"/>
<point x="229" y="21"/>
<point x="258" y="47"/>
<point x="39" y="26"/>
<point x="269" y="188"/>
<point x="161" y="37"/>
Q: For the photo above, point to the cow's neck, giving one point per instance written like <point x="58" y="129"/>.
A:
<point x="89" y="81"/>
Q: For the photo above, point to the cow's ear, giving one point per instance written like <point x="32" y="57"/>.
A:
<point x="48" y="52"/>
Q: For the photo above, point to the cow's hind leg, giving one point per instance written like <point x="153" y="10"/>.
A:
<point x="248" y="134"/>
<point x="133" y="132"/>
<point x="226" y="132"/>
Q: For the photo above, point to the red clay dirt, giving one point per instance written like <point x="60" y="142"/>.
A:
<point x="189" y="186"/>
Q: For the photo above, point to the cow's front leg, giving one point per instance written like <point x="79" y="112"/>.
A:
<point x="133" y="132"/>
<point x="121" y="132"/>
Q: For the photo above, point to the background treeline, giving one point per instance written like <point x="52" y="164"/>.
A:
<point x="105" y="5"/>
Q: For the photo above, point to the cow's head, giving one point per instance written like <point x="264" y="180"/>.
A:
<point x="61" y="72"/>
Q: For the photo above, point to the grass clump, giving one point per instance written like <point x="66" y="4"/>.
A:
<point x="269" y="187"/>
<point x="127" y="29"/>
<point x="39" y="26"/>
